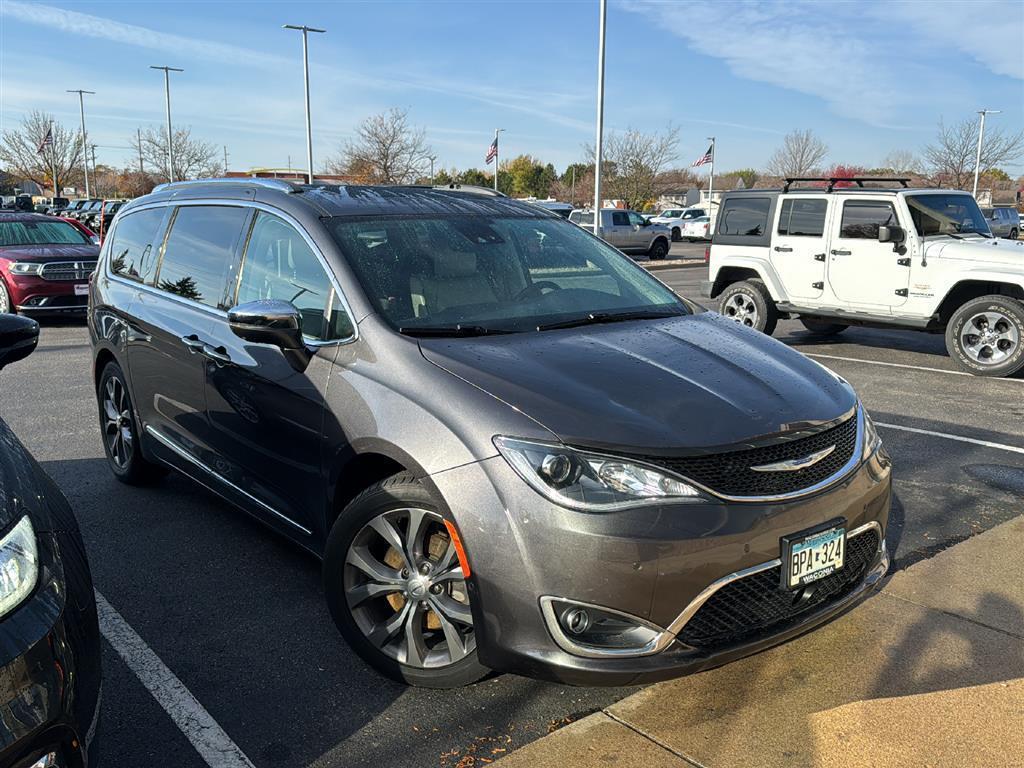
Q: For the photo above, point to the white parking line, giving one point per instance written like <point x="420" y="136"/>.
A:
<point x="958" y="438"/>
<point x="191" y="717"/>
<point x="891" y="365"/>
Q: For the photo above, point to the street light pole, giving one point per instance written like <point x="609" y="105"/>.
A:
<point x="85" y="146"/>
<point x="305" y="78"/>
<point x="170" y="135"/>
<point x="981" y="138"/>
<point x="600" y="119"/>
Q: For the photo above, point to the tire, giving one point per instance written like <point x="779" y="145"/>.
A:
<point x="675" y="235"/>
<point x="392" y="505"/>
<point x="985" y="336"/>
<point x="823" y="327"/>
<point x="120" y="431"/>
<point x="5" y="300"/>
<point x="659" y="249"/>
<point x="750" y="304"/>
<point x="1013" y="234"/>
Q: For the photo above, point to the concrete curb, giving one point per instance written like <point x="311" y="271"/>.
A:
<point x="655" y="266"/>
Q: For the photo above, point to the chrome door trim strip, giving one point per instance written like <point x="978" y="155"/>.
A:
<point x="166" y="441"/>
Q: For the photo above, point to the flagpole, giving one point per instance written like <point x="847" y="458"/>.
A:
<point x="711" y="178"/>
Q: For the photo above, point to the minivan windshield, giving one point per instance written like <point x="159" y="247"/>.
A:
<point x="476" y="274"/>
<point x="946" y="214"/>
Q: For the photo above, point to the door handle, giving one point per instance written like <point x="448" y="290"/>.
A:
<point x="193" y="343"/>
<point x="218" y="354"/>
<point x="782" y="249"/>
<point x="840" y="253"/>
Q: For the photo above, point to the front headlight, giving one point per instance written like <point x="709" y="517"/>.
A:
<point x="872" y="440"/>
<point x="19" y="565"/>
<point x="26" y="268"/>
<point x="589" y="481"/>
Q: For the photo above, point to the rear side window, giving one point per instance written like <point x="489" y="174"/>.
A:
<point x="803" y="218"/>
<point x="199" y="252"/>
<point x="279" y="264"/>
<point x="620" y="219"/>
<point x="132" y="249"/>
<point x="862" y="218"/>
<point x="744" y="216"/>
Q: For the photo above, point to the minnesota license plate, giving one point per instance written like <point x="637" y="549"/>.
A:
<point x="82" y="289"/>
<point x="809" y="556"/>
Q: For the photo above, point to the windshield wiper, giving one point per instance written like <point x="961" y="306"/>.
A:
<point x="449" y="330"/>
<point x="596" y="318"/>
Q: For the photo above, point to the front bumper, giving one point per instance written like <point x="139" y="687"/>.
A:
<point x="50" y="663"/>
<point x="36" y="296"/>
<point x="650" y="563"/>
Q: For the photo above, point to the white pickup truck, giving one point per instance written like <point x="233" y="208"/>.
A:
<point x="920" y="259"/>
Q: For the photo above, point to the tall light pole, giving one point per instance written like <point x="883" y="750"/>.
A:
<point x="600" y="118"/>
<point x="981" y="138"/>
<point x="167" y="97"/>
<point x="85" y="146"/>
<point x="305" y="77"/>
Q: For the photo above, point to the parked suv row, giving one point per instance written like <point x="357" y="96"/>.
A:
<point x="512" y="447"/>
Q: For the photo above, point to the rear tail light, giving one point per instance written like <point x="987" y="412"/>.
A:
<point x="707" y="254"/>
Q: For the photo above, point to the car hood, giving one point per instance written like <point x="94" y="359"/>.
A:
<point x="682" y="384"/>
<point x="50" y="252"/>
<point x="979" y="251"/>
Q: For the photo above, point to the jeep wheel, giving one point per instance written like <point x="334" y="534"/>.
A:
<point x="750" y="304"/>
<point x="659" y="249"/>
<point x="986" y="336"/>
<point x="675" y="235"/>
<point x="823" y="327"/>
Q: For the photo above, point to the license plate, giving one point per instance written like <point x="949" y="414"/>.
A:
<point x="82" y="289"/>
<point x="809" y="556"/>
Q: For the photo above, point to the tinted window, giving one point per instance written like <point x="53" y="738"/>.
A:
<point x="133" y="250"/>
<point x="279" y="264"/>
<point x="803" y="218"/>
<point x="862" y="218"/>
<point x="744" y="216"/>
<point x="941" y="214"/>
<point x="199" y="250"/>
<point x="40" y="232"/>
<point x="620" y="219"/>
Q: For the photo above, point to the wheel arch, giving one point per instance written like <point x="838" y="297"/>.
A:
<point x="738" y="272"/>
<point x="965" y="290"/>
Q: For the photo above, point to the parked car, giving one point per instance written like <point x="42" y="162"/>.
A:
<point x="73" y="207"/>
<point x="91" y="215"/>
<point x="89" y="207"/>
<point x="567" y="472"/>
<point x="51" y="205"/>
<point x="100" y="221"/>
<point x="675" y="218"/>
<point x="698" y="228"/>
<point x="45" y="265"/>
<point x="627" y="230"/>
<point x="918" y="259"/>
<point x="1003" y="221"/>
<point x="50" y="674"/>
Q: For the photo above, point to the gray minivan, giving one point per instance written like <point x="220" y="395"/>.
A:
<point x="512" y="448"/>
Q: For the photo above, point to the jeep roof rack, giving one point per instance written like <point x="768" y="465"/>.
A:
<point x="832" y="180"/>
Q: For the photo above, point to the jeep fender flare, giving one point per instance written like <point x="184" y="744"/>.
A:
<point x="733" y="269"/>
<point x="978" y="282"/>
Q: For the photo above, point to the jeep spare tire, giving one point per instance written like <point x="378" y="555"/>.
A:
<point x="750" y="304"/>
<point x="985" y="336"/>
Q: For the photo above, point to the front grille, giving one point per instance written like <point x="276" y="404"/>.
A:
<point x="731" y="473"/>
<point x="758" y="604"/>
<point x="67" y="270"/>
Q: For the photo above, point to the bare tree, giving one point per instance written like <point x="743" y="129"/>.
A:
<point x="800" y="154"/>
<point x="386" y="150"/>
<point x="952" y="157"/>
<point x="632" y="164"/>
<point x="193" y="158"/>
<point x="902" y="161"/>
<point x="19" y="151"/>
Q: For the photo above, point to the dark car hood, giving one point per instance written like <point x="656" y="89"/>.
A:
<point x="676" y="385"/>
<point x="50" y="252"/>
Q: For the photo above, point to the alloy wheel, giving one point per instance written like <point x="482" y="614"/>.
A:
<point x="741" y="308"/>
<point x="989" y="338"/>
<point x="5" y="300"/>
<point x="117" y="427"/>
<point x="406" y="590"/>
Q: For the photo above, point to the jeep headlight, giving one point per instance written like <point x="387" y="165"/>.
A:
<point x="589" y="481"/>
<point x="19" y="565"/>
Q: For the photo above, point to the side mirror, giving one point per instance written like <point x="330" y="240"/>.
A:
<point x="273" y="322"/>
<point x="18" y="338"/>
<point x="891" y="234"/>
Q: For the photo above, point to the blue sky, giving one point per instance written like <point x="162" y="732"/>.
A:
<point x="868" y="78"/>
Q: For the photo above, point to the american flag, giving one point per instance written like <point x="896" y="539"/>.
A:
<point x="493" y="151"/>
<point x="46" y="142"/>
<point x="707" y="157"/>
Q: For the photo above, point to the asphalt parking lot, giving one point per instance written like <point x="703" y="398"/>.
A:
<point x="236" y="614"/>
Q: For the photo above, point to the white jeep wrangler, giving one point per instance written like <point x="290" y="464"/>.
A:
<point x="920" y="259"/>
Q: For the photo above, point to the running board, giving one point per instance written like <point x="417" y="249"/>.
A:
<point x="860" y="318"/>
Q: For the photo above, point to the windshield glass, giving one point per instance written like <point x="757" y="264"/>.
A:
<point x="672" y="213"/>
<point x="40" y="233"/>
<point x="493" y="274"/>
<point x="946" y="214"/>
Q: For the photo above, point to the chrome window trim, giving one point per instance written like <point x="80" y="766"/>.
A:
<point x="220" y="313"/>
<point x="166" y="441"/>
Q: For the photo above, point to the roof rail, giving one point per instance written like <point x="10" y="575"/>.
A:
<point x="832" y="180"/>
<point x="471" y="188"/>
<point x="278" y="184"/>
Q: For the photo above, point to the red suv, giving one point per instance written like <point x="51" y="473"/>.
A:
<point x="45" y="265"/>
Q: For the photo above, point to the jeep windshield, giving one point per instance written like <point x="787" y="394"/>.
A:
<point x="471" y="275"/>
<point x="951" y="214"/>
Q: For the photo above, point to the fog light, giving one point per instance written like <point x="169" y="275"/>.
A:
<point x="576" y="621"/>
<point x="589" y="630"/>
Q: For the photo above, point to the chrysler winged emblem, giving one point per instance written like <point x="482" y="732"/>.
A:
<point x="792" y="465"/>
